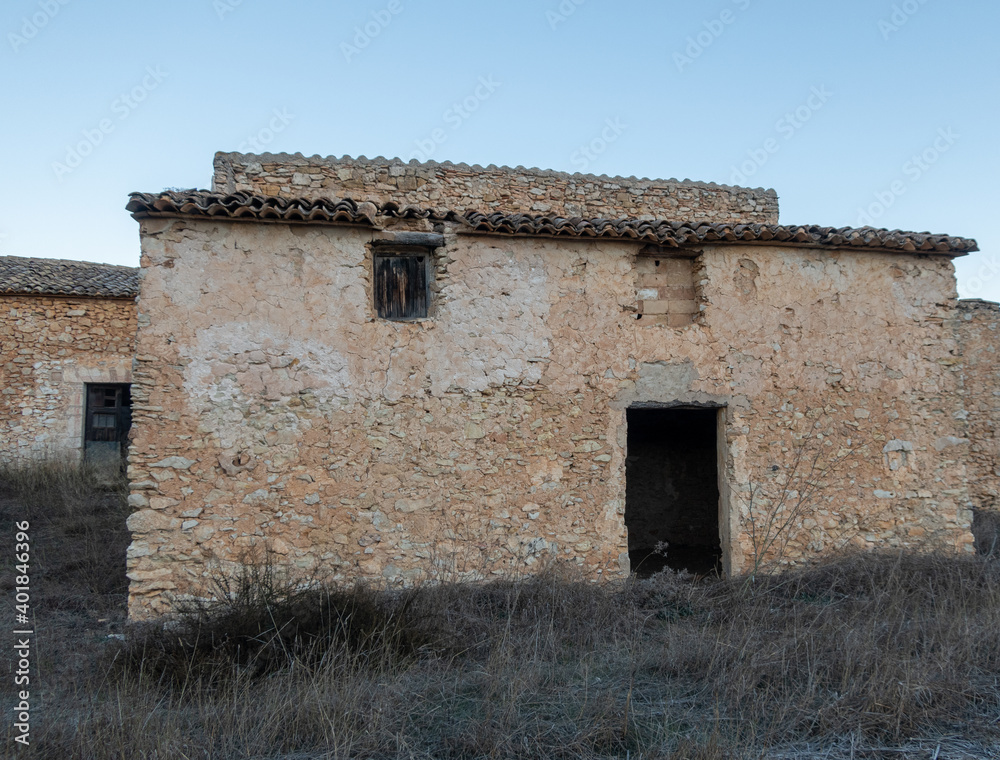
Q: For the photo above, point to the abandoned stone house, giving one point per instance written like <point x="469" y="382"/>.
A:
<point x="400" y="371"/>
<point x="67" y="339"/>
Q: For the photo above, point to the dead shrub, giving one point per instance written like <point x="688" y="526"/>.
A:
<point x="261" y="620"/>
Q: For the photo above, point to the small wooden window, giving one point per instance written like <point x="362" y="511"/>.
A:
<point x="401" y="284"/>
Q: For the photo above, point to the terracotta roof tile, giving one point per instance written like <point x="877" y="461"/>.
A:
<point x="674" y="234"/>
<point x="67" y="278"/>
<point x="679" y="234"/>
<point x="244" y="205"/>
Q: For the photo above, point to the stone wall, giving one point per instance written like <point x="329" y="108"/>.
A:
<point x="272" y="409"/>
<point x="50" y="347"/>
<point x="459" y="187"/>
<point x="979" y="333"/>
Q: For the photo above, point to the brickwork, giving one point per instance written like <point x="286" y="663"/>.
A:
<point x="460" y="187"/>
<point x="273" y="408"/>
<point x="50" y="347"/>
<point x="666" y="290"/>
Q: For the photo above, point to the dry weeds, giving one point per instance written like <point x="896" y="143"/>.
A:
<point x="893" y="655"/>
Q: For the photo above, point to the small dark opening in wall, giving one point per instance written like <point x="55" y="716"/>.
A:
<point x="672" y="491"/>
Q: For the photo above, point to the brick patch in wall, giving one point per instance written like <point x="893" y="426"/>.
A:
<point x="666" y="292"/>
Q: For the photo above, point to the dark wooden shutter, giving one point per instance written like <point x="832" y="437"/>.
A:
<point x="401" y="285"/>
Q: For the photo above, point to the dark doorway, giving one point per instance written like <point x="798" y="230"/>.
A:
<point x="106" y="424"/>
<point x="672" y="490"/>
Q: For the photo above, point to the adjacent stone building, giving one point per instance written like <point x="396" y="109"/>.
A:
<point x="979" y="334"/>
<point x="67" y="338"/>
<point x="404" y="371"/>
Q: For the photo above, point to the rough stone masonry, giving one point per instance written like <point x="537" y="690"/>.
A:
<point x="492" y="188"/>
<point x="63" y="325"/>
<point x="274" y="408"/>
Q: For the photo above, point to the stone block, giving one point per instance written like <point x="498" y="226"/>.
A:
<point x="682" y="307"/>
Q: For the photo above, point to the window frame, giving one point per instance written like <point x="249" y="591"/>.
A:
<point x="389" y="252"/>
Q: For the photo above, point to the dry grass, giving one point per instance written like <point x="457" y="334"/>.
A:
<point x="78" y="533"/>
<point x="866" y="656"/>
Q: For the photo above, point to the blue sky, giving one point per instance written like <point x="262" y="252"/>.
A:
<point x="856" y="111"/>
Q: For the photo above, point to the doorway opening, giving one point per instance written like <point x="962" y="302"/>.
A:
<point x="672" y="490"/>
<point x="107" y="423"/>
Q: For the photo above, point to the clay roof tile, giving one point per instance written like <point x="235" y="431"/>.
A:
<point x="243" y="205"/>
<point x="22" y="276"/>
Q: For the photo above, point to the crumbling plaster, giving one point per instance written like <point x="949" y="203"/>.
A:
<point x="271" y="407"/>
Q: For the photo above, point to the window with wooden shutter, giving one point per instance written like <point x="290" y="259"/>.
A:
<point x="401" y="284"/>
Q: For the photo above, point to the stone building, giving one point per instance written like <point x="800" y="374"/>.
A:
<point x="979" y="335"/>
<point x="67" y="338"/>
<point x="404" y="371"/>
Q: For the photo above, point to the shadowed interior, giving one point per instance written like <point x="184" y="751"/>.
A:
<point x="672" y="492"/>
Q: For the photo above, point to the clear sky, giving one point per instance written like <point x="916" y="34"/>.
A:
<point x="880" y="112"/>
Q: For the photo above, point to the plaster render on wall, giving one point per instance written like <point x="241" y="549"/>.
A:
<point x="490" y="437"/>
